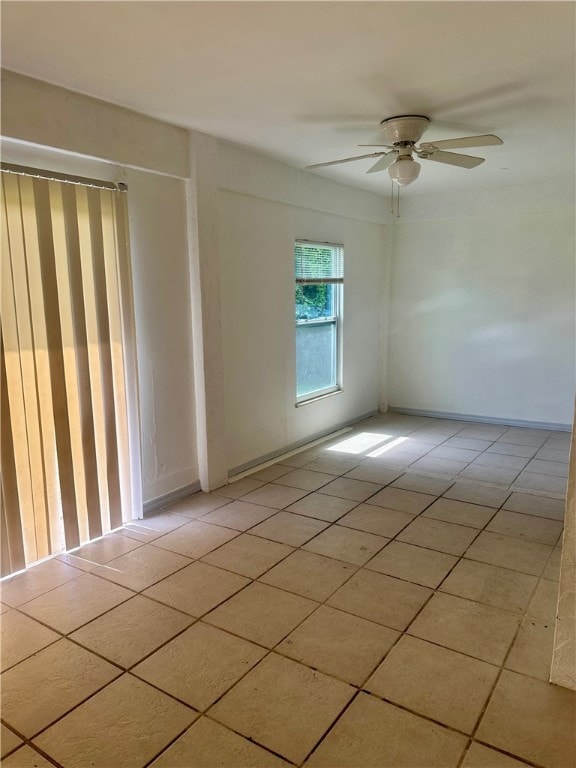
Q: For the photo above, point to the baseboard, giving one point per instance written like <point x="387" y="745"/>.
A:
<point x="169" y="498"/>
<point x="482" y="419"/>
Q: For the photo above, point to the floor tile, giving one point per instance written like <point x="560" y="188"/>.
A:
<point x="239" y="488"/>
<point x="271" y="473"/>
<point x="380" y="598"/>
<point x="197" y="505"/>
<point x="329" y="508"/>
<point x="141" y="567"/>
<point x="410" y="481"/>
<point x="501" y="460"/>
<point x="248" y="555"/>
<point x="429" y="436"/>
<point x="334" y="465"/>
<point x="534" y="481"/>
<point x="305" y="479"/>
<point x="346" y="544"/>
<point x="36" y="581"/>
<point x="284" y="706"/>
<point x="339" y="644"/>
<point x="470" y="628"/>
<point x="145" y="623"/>
<point x="525" y="436"/>
<point x="453" y="453"/>
<point x="477" y="494"/>
<point x="346" y="488"/>
<point x="410" y="563"/>
<point x="526" y="527"/>
<point x="127" y="723"/>
<point x="289" y="528"/>
<point x="552" y="570"/>
<point x="276" y="496"/>
<point x="553" y="454"/>
<point x="378" y="520"/>
<point x="517" y="554"/>
<point x="460" y="512"/>
<point x="558" y="468"/>
<point x="199" y="665"/>
<point x="26" y="757"/>
<point x="262" y="614"/>
<point x="196" y="539"/>
<point x="373" y="473"/>
<point x="484" y="431"/>
<point x="151" y="527"/>
<point x="309" y="575"/>
<point x="531" y="719"/>
<point x="207" y="744"/>
<point x="471" y="443"/>
<point x="239" y="515"/>
<point x="21" y="637"/>
<point x="446" y="467"/>
<point x="541" y="506"/>
<point x="531" y="653"/>
<point x="511" y="449"/>
<point x="51" y="683"/>
<point x="493" y="475"/>
<point x="197" y="589"/>
<point x="479" y="756"/>
<point x="434" y="681"/>
<point x="105" y="549"/>
<point x="75" y="603"/>
<point x="403" y="501"/>
<point x="544" y="603"/>
<point x="434" y="534"/>
<point x="374" y="733"/>
<point x="8" y="741"/>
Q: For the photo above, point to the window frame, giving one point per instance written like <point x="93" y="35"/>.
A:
<point x="336" y="319"/>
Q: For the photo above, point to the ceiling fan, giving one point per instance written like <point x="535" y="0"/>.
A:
<point x="401" y="134"/>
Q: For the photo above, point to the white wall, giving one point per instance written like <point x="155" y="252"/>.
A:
<point x="482" y="313"/>
<point x="260" y="217"/>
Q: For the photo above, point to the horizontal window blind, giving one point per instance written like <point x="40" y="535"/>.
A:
<point x="318" y="263"/>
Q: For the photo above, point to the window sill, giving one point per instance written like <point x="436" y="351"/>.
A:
<point x="315" y="399"/>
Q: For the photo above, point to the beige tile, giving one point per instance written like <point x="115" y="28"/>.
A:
<point x="460" y="513"/>
<point x="334" y="465"/>
<point x="526" y="435"/>
<point x="141" y="567"/>
<point x="103" y="550"/>
<point x="199" y="665"/>
<point x="329" y="508"/>
<point x="302" y="457"/>
<point x="476" y="630"/>
<point x="374" y="733"/>
<point x="542" y="506"/>
<point x="284" y="706"/>
<point x="4" y="608"/>
<point x="553" y="454"/>
<point x="411" y="481"/>
<point x="153" y="526"/>
<point x="416" y="564"/>
<point x="373" y="473"/>
<point x="552" y="570"/>
<point x="239" y="488"/>
<point x="207" y="744"/>
<point x="288" y="528"/>
<point x="434" y="681"/>
<point x="479" y="756"/>
<point x="26" y="757"/>
<point x="403" y="501"/>
<point x="380" y="598"/>
<point x="544" y="604"/>
<point x="346" y="544"/>
<point x="511" y="449"/>
<point x="531" y="653"/>
<point x="305" y="479"/>
<point x="197" y="589"/>
<point x="378" y="520"/>
<point x="21" y="637"/>
<point x="547" y="467"/>
<point x="144" y="622"/>
<point x="339" y="644"/>
<point x="75" y="603"/>
<point x="273" y="495"/>
<point x="517" y="554"/>
<point x="531" y="719"/>
<point x="239" y="515"/>
<point x="453" y="453"/>
<point x="501" y="460"/>
<point x="471" y="443"/>
<point x="309" y="575"/>
<point x="126" y="724"/>
<point x="197" y="505"/>
<point x="195" y="539"/>
<point x="262" y="614"/>
<point x="51" y="683"/>
<point x="36" y="581"/>
<point x="434" y="534"/>
<point x="446" y="467"/>
<point x="483" y="432"/>
<point x="526" y="527"/>
<point x="474" y="493"/>
<point x="248" y="555"/>
<point x="491" y="585"/>
<point x="492" y="475"/>
<point x="347" y="488"/>
<point x="271" y="473"/>
<point x="8" y="741"/>
<point x="535" y="481"/>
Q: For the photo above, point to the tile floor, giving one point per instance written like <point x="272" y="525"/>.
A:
<point x="385" y="598"/>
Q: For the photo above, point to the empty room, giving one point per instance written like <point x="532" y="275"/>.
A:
<point x="287" y="384"/>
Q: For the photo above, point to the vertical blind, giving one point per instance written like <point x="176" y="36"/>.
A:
<point x="70" y="461"/>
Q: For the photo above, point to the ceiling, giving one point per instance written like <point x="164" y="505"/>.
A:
<point x="305" y="82"/>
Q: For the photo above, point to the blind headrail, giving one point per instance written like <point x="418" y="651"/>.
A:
<point x="37" y="173"/>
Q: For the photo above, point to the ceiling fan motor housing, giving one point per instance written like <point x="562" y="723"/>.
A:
<point x="404" y="128"/>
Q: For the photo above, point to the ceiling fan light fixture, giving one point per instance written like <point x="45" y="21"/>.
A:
<point x="404" y="171"/>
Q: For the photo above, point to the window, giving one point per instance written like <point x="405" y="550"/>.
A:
<point x="319" y="283"/>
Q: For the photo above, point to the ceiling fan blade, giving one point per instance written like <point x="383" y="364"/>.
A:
<point x="487" y="140"/>
<point x="345" y="160"/>
<point x="383" y="163"/>
<point x="389" y="146"/>
<point x="452" y="158"/>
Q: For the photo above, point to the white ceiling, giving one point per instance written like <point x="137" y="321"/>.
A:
<point x="305" y="82"/>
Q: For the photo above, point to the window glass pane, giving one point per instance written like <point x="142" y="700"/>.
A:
<point x="315" y="357"/>
<point x="314" y="301"/>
